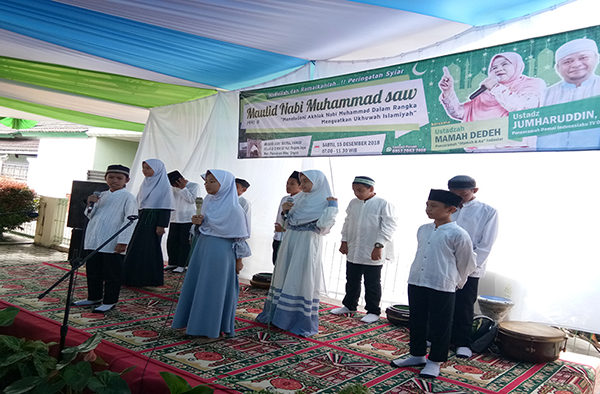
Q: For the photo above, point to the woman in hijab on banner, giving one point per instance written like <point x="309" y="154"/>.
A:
<point x="144" y="259"/>
<point x="209" y="295"/>
<point x="293" y="300"/>
<point x="505" y="89"/>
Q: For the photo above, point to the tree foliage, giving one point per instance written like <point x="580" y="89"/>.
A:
<point x="17" y="202"/>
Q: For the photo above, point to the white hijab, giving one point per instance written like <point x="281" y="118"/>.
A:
<point x="156" y="192"/>
<point x="309" y="207"/>
<point x="224" y="217"/>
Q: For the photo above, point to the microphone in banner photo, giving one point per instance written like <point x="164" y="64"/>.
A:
<point x="476" y="93"/>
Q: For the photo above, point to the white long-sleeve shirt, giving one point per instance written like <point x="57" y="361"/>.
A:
<point x="444" y="258"/>
<point x="185" y="203"/>
<point x="368" y="222"/>
<point x="248" y="209"/>
<point x="107" y="216"/>
<point x="481" y="222"/>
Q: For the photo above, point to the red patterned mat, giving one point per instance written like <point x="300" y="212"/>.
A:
<point x="260" y="357"/>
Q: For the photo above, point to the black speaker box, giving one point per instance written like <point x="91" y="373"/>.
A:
<point x="79" y="194"/>
<point x="76" y="244"/>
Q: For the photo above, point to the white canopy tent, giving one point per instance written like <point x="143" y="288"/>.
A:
<point x="544" y="258"/>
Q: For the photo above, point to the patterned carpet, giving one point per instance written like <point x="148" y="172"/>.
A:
<point x="259" y="357"/>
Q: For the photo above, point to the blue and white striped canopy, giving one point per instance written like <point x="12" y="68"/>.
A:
<point x="231" y="44"/>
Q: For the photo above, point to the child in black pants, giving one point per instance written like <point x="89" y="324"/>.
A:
<point x="442" y="264"/>
<point x="108" y="212"/>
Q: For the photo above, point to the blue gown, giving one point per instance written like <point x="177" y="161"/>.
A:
<point x="209" y="295"/>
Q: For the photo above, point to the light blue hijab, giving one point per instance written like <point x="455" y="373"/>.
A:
<point x="156" y="192"/>
<point x="309" y="207"/>
<point x="224" y="217"/>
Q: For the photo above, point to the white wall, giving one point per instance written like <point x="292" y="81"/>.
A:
<point x="59" y="162"/>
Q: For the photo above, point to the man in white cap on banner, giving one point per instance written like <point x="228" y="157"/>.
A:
<point x="576" y="63"/>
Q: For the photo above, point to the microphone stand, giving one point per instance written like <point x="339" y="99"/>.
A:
<point x="75" y="264"/>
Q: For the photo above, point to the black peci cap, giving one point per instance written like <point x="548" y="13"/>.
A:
<point x="445" y="196"/>
<point x="462" y="182"/>
<point x="118" y="169"/>
<point x="242" y="182"/>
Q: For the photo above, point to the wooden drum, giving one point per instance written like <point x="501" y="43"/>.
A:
<point x="261" y="280"/>
<point x="398" y="315"/>
<point x="532" y="342"/>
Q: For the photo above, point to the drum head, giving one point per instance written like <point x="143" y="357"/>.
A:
<point x="398" y="315"/>
<point x="531" y="330"/>
<point x="494" y="299"/>
<point x="262" y="277"/>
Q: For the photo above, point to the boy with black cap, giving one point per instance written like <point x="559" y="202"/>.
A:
<point x="481" y="222"/>
<point x="108" y="214"/>
<point x="442" y="264"/>
<point x="242" y="185"/>
<point x="292" y="187"/>
<point x="178" y="241"/>
<point x="367" y="242"/>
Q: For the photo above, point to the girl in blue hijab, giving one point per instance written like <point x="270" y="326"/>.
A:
<point x="209" y="295"/>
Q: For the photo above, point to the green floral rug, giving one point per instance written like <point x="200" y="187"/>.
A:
<point x="259" y="357"/>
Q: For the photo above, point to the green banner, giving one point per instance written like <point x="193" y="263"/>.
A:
<point x="537" y="94"/>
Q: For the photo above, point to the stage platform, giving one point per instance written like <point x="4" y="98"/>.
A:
<point x="137" y="333"/>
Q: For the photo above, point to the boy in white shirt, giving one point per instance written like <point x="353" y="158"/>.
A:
<point x="178" y="241"/>
<point x="442" y="264"/>
<point x="292" y="187"/>
<point x="108" y="213"/>
<point x="367" y="242"/>
<point x="481" y="222"/>
<point x="241" y="186"/>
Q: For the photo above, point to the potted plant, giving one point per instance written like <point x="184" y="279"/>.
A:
<point x="26" y="366"/>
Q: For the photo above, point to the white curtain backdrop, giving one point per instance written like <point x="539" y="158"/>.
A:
<point x="545" y="258"/>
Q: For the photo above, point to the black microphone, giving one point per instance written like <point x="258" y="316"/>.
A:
<point x="476" y="93"/>
<point x="132" y="217"/>
<point x="91" y="206"/>
<point x="286" y="211"/>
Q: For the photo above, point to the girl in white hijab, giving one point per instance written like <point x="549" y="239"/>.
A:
<point x="309" y="207"/>
<point x="144" y="260"/>
<point x="293" y="300"/>
<point x="155" y="190"/>
<point x="209" y="295"/>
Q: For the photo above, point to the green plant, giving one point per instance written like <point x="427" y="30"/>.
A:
<point x="178" y="385"/>
<point x="26" y="366"/>
<point x="17" y="201"/>
<point x="355" y="388"/>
